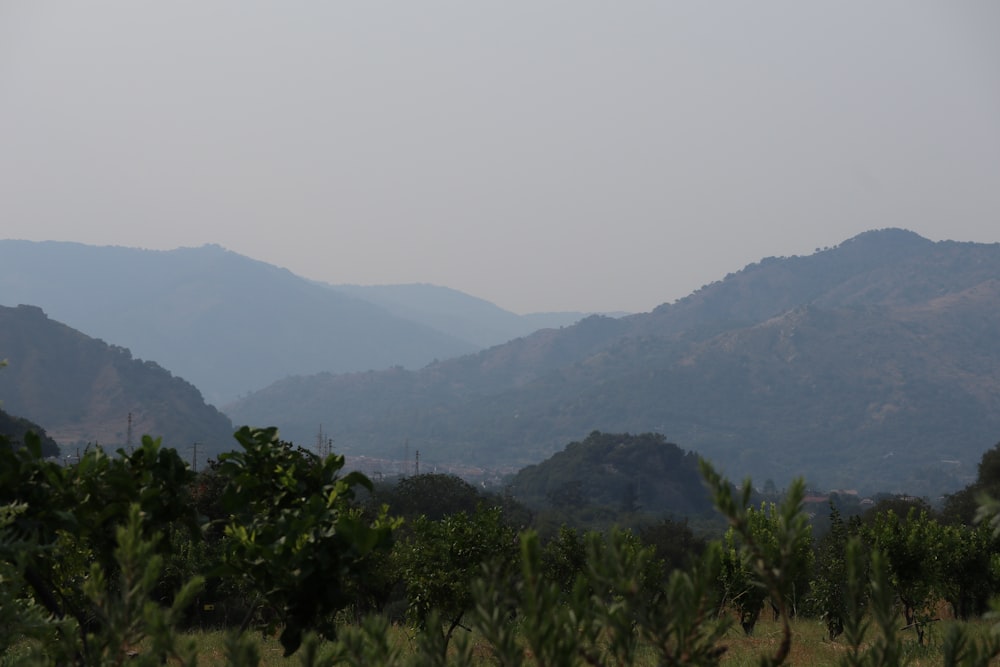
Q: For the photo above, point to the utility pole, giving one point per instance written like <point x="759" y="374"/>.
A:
<point x="128" y="435"/>
<point x="194" y="457"/>
<point x="416" y="465"/>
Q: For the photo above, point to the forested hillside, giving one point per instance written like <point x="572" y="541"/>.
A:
<point x="609" y="478"/>
<point x="872" y="364"/>
<point x="82" y="390"/>
<point x="14" y="429"/>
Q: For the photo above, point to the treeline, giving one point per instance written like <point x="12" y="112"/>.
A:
<point x="115" y="557"/>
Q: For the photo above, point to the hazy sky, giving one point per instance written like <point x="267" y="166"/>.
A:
<point x="577" y="155"/>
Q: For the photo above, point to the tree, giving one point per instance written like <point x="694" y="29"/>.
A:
<point x="961" y="506"/>
<point x="440" y="559"/>
<point x="613" y="609"/>
<point x="970" y="570"/>
<point x="294" y="536"/>
<point x="759" y="538"/>
<point x="914" y="548"/>
<point x="774" y="548"/>
<point x="563" y="558"/>
<point x="829" y="593"/>
<point x="673" y="542"/>
<point x="87" y="544"/>
<point x="74" y="513"/>
<point x="433" y="495"/>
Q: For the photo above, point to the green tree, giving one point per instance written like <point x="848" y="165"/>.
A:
<point x="82" y="551"/>
<point x="914" y="547"/>
<point x="610" y="613"/>
<point x="970" y="569"/>
<point x="73" y="514"/>
<point x="773" y="546"/>
<point x="440" y="559"/>
<point x="564" y="558"/>
<point x="829" y="587"/>
<point x="961" y="506"/>
<point x="433" y="495"/>
<point x="756" y="539"/>
<point x="294" y="537"/>
<point x="673" y="542"/>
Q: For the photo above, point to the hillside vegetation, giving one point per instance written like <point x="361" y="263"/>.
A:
<point x="82" y="390"/>
<point x="870" y="365"/>
<point x="15" y="428"/>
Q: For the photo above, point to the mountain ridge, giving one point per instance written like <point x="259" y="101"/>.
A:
<point x="226" y="322"/>
<point x="890" y="293"/>
<point x="82" y="390"/>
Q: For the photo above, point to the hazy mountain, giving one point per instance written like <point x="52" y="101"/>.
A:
<point x="471" y="319"/>
<point x="225" y="322"/>
<point x="873" y="364"/>
<point x="83" y="390"/>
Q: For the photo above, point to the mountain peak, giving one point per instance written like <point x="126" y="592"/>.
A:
<point x="888" y="243"/>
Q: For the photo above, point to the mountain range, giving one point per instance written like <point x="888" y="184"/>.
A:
<point x="231" y="324"/>
<point x="870" y="365"/>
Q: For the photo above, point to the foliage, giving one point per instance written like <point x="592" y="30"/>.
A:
<point x="130" y="625"/>
<point x="564" y="558"/>
<point x="73" y="514"/>
<point x="293" y="536"/>
<point x="15" y="428"/>
<point x="869" y="599"/>
<point x="440" y="559"/>
<point x="828" y="589"/>
<point x="914" y="549"/>
<point x="970" y="564"/>
<point x="626" y="473"/>
<point x="775" y="547"/>
<point x="128" y="615"/>
<point x="21" y="618"/>
<point x="612" y="615"/>
<point x="740" y="588"/>
<point x="674" y="542"/>
<point x="961" y="506"/>
<point x="433" y="495"/>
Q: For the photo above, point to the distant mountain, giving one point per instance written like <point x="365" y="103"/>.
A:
<point x="225" y="322"/>
<point x="870" y="365"/>
<point x="477" y="322"/>
<point x="83" y="390"/>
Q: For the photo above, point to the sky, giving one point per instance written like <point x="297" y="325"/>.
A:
<point x="547" y="155"/>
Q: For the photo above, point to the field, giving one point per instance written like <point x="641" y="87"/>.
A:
<point x="810" y="646"/>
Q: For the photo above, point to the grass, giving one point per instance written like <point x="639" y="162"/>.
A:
<point x="810" y="645"/>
